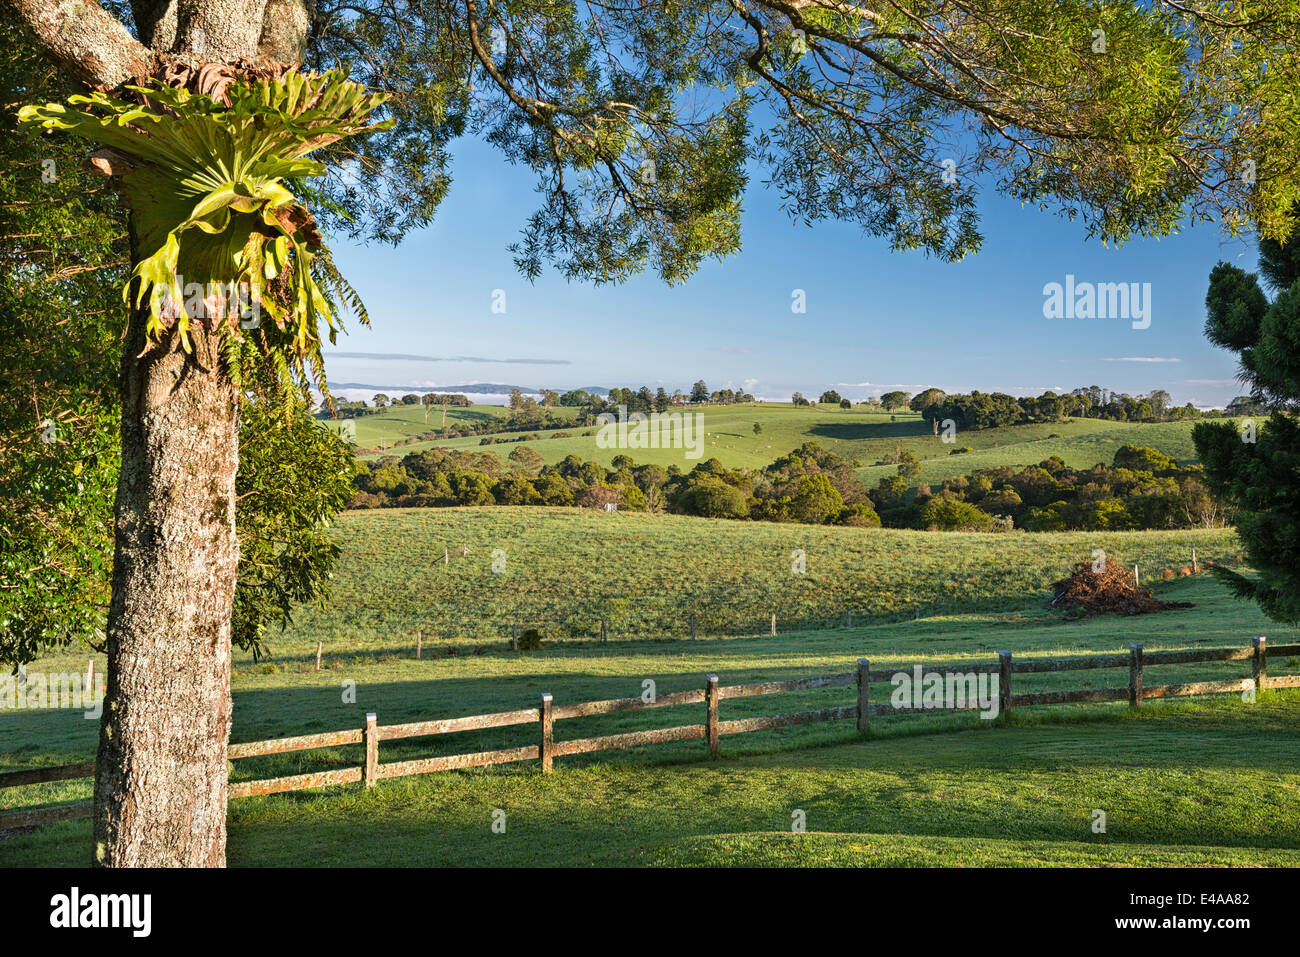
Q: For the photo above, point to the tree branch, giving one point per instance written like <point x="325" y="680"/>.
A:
<point x="88" y="42"/>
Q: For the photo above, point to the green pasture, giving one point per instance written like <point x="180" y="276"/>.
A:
<point x="561" y="570"/>
<point x="867" y="437"/>
<point x="1207" y="781"/>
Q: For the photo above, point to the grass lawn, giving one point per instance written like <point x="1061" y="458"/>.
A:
<point x="1211" y="781"/>
<point x="1199" y="785"/>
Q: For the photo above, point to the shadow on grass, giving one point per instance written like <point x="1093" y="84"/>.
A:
<point x="1211" y="775"/>
<point x="848" y="431"/>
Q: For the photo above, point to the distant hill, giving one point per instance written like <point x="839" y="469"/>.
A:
<point x="475" y="388"/>
<point x="858" y="434"/>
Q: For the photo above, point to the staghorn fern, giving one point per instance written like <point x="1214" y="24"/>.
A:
<point x="204" y="178"/>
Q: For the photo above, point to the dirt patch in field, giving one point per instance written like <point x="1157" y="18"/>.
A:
<point x="1090" y="592"/>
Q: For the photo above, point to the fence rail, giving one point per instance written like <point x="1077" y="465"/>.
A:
<point x="712" y="728"/>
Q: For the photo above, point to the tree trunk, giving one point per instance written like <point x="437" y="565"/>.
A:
<point x="161" y="775"/>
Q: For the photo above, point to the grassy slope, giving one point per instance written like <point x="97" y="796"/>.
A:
<point x="382" y="429"/>
<point x="646" y="574"/>
<point x="402" y="421"/>
<point x="1082" y="443"/>
<point x="854" y="434"/>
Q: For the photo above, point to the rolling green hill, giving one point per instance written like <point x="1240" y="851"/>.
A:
<point x="646" y="574"/>
<point x="383" y="429"/>
<point x="855" y="434"/>
<point x="1081" y="443"/>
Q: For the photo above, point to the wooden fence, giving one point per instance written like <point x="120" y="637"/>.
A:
<point x="547" y="749"/>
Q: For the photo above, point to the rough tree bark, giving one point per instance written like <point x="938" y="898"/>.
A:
<point x="90" y="44"/>
<point x="161" y="772"/>
<point x="160" y="777"/>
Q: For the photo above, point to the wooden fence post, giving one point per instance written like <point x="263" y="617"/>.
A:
<point x="848" y="619"/>
<point x="318" y="648"/>
<point x="371" y="735"/>
<point x="773" y="623"/>
<point x="1004" y="682"/>
<point x="864" y="695"/>
<point x="419" y="645"/>
<point x="692" y="627"/>
<point x="1137" y="583"/>
<point x="1259" y="663"/>
<point x="711" y="712"/>
<point x="602" y="629"/>
<point x="1195" y="566"/>
<point x="514" y="637"/>
<point x="548" y="735"/>
<point x="1135" y="675"/>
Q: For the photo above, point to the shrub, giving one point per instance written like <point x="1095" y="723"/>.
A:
<point x="860" y="516"/>
<point x="516" y="490"/>
<point x="712" y="498"/>
<point x="530" y="639"/>
<point x="554" y="490"/>
<point x="632" y="499"/>
<point x="946" y="515"/>
<point x="1143" y="459"/>
<point x="1001" y="501"/>
<point x="815" y="501"/>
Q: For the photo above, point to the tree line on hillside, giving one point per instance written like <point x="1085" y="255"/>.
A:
<point x="967" y="411"/>
<point x="987" y="410"/>
<point x="356" y="408"/>
<point x="1142" y="489"/>
<point x="660" y="400"/>
<point x="809" y="485"/>
<point x="980" y="410"/>
<point x="636" y="400"/>
<point x="526" y="413"/>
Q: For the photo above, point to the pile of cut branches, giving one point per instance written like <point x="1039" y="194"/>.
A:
<point x="1112" y="590"/>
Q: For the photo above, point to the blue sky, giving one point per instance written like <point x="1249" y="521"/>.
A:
<point x="876" y="320"/>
